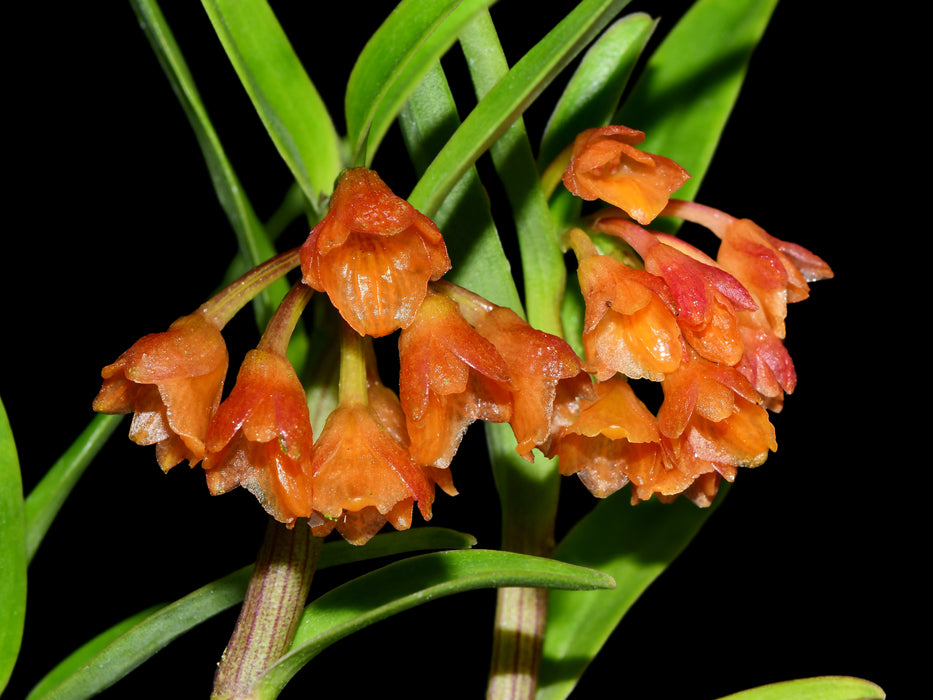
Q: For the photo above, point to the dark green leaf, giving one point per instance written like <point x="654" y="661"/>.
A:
<point x="691" y="82"/>
<point x="510" y="97"/>
<point x="116" y="652"/>
<point x="410" y="582"/>
<point x="394" y="61"/>
<point x="46" y="499"/>
<point x="633" y="544"/>
<point x="12" y="552"/>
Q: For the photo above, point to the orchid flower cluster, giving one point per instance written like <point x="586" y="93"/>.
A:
<point x="709" y="331"/>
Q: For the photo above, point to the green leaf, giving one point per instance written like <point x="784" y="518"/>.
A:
<point x="116" y="652"/>
<point x="541" y="257"/>
<point x="821" y="688"/>
<point x="691" y="82"/>
<point x="633" y="544"/>
<point x="394" y="61"/>
<point x="510" y="97"/>
<point x="592" y="95"/>
<point x="12" y="552"/>
<point x="254" y="243"/>
<point x="46" y="499"/>
<point x="428" y="120"/>
<point x="410" y="582"/>
<point x="286" y="100"/>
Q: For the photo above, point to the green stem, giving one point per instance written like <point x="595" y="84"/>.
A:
<point x="274" y="602"/>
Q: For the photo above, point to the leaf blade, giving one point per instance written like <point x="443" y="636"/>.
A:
<point x="819" y="688"/>
<point x="12" y="552"/>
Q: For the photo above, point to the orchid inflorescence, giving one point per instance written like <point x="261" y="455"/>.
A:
<point x="708" y="331"/>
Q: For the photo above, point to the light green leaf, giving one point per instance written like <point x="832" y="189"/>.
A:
<point x="592" y="95"/>
<point x="116" y="652"/>
<point x="12" y="552"/>
<point x="410" y="582"/>
<point x="510" y="97"/>
<point x="46" y="499"/>
<point x="541" y="257"/>
<point x="394" y="61"/>
<point x="286" y="100"/>
<point x="820" y="688"/>
<point x="254" y="243"/>
<point x="691" y="82"/>
<point x="633" y="544"/>
<point x="479" y="262"/>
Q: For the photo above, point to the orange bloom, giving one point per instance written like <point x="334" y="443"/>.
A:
<point x="363" y="474"/>
<point x="707" y="297"/>
<point x="373" y="253"/>
<point x="765" y="362"/>
<point x="606" y="165"/>
<point x="712" y="416"/>
<point x="537" y="362"/>
<point x="172" y="382"/>
<point x="260" y="438"/>
<point x="629" y="324"/>
<point x="450" y="376"/>
<point x="614" y="437"/>
<point x="774" y="271"/>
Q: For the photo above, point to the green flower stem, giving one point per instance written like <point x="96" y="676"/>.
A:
<point x="275" y="600"/>
<point x="282" y="324"/>
<point x="225" y="304"/>
<point x="519" y="636"/>
<point x="353" y="383"/>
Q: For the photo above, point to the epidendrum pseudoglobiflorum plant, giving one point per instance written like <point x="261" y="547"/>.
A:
<point x="611" y="303"/>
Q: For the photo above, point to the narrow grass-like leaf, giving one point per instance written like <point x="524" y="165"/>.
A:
<point x="394" y="61"/>
<point x="410" y="582"/>
<point x="820" y="688"/>
<point x="47" y="497"/>
<point x="691" y="82"/>
<point x="254" y="244"/>
<point x="542" y="260"/>
<point x="286" y="100"/>
<point x="428" y="120"/>
<point x="12" y="552"/>
<point x="511" y="96"/>
<point x="116" y="652"/>
<point x="593" y="92"/>
<point x="633" y="544"/>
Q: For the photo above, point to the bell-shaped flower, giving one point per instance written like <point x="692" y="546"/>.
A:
<point x="450" y="376"/>
<point x="260" y="438"/>
<point x="614" y="437"/>
<point x="711" y="414"/>
<point x="364" y="476"/>
<point x="373" y="254"/>
<point x="172" y="382"/>
<point x="629" y="323"/>
<point x="707" y="297"/>
<point x="774" y="271"/>
<point x="765" y="361"/>
<point x="537" y="362"/>
<point x="606" y="165"/>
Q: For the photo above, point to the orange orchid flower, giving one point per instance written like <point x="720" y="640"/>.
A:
<point x="260" y="438"/>
<point x="373" y="254"/>
<point x="629" y="324"/>
<point x="614" y="437"/>
<point x="172" y="382"/>
<point x="606" y="165"/>
<point x="450" y="376"/>
<point x="707" y="297"/>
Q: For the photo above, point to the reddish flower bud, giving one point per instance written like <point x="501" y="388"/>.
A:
<point x="373" y="254"/>
<point x="606" y="165"/>
<point x="172" y="382"/>
<point x="260" y="438"/>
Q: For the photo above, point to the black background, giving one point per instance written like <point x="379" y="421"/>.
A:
<point x="808" y="568"/>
